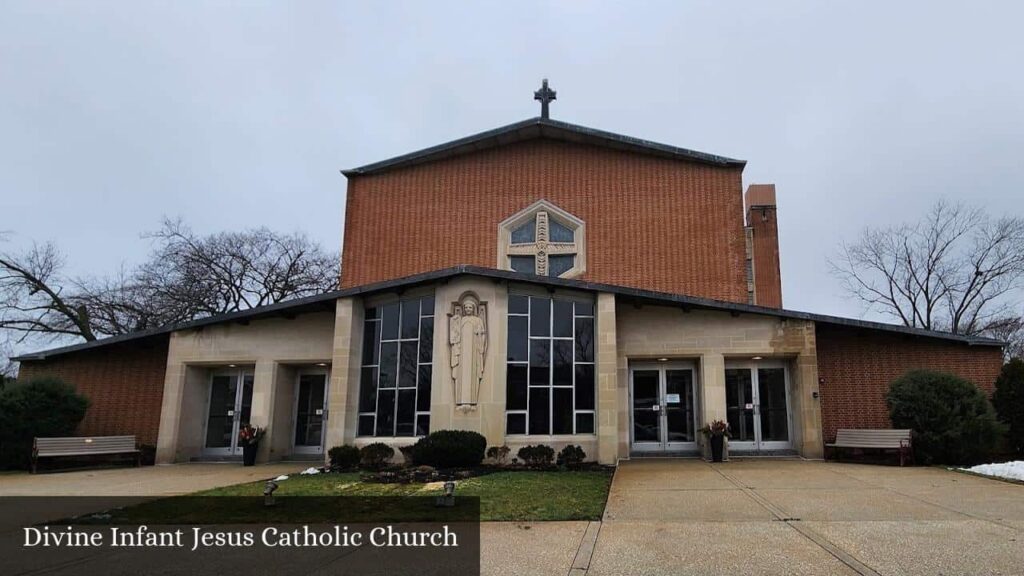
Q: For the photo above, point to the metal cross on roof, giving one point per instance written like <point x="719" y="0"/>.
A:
<point x="545" y="95"/>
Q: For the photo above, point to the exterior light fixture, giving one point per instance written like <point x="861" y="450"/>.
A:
<point x="268" y="493"/>
<point x="757" y="358"/>
<point x="232" y="366"/>
<point x="662" y="359"/>
<point x="321" y="363"/>
<point x="448" y="500"/>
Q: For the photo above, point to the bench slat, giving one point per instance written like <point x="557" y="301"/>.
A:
<point x="73" y="446"/>
<point x="868" y="438"/>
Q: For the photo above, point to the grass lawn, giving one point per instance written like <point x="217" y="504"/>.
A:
<point x="524" y="496"/>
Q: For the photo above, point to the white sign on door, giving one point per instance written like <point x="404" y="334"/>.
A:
<point x="672" y="398"/>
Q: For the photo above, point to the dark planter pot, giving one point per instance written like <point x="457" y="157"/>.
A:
<point x="249" y="454"/>
<point x="717" y="448"/>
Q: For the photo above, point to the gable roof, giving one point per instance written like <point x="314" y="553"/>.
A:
<point x="542" y="128"/>
<point x="326" y="302"/>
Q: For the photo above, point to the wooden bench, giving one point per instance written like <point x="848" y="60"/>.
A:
<point x="898" y="440"/>
<point x="86" y="446"/>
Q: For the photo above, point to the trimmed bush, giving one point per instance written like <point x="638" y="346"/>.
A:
<point x="344" y="457"/>
<point x="498" y="454"/>
<point x="571" y="456"/>
<point x="1009" y="402"/>
<point x="375" y="456"/>
<point x="539" y="455"/>
<point x="450" y="449"/>
<point x="45" y="407"/>
<point x="951" y="420"/>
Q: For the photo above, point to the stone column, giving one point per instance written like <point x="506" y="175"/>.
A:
<point x="263" y="395"/>
<point x="346" y="362"/>
<point x="713" y="404"/>
<point x="609" y="402"/>
<point x="170" y="413"/>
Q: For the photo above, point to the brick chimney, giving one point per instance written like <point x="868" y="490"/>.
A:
<point x="764" y="279"/>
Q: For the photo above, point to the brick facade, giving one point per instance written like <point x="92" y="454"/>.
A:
<point x="762" y="219"/>
<point x="124" y="384"/>
<point x="856" y="368"/>
<point x="652" y="223"/>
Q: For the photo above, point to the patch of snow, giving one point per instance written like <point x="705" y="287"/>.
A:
<point x="281" y="478"/>
<point x="1012" y="470"/>
<point x="309" y="471"/>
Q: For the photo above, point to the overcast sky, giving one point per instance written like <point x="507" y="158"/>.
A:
<point x="230" y="115"/>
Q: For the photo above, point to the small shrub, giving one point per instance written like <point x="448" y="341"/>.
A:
<point x="1009" y="402"/>
<point x="498" y="454"/>
<point x="46" y="407"/>
<point x="571" y="456"/>
<point x="951" y="420"/>
<point x="450" y="449"/>
<point x="375" y="456"/>
<point x="539" y="455"/>
<point x="344" y="457"/>
<point x="406" y="454"/>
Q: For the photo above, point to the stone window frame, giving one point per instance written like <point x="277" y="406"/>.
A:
<point x="579" y="244"/>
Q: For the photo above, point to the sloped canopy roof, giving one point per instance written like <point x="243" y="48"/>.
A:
<point x="542" y="128"/>
<point x="325" y="302"/>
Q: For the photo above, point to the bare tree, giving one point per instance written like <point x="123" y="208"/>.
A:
<point x="956" y="269"/>
<point x="186" y="277"/>
<point x="1011" y="331"/>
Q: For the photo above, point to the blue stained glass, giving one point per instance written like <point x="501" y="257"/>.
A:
<point x="525" y="234"/>
<point x="559" y="232"/>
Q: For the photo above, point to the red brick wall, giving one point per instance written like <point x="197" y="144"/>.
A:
<point x="124" y="384"/>
<point x="856" y="368"/>
<point x="651" y="222"/>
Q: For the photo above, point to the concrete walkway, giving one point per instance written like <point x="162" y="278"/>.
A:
<point x="766" y="516"/>
<point x="146" y="481"/>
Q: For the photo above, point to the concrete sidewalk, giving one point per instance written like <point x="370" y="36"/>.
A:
<point x="166" y="480"/>
<point x="766" y="516"/>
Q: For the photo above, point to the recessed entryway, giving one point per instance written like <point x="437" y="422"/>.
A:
<point x="757" y="395"/>
<point x="663" y="401"/>
<point x="229" y="408"/>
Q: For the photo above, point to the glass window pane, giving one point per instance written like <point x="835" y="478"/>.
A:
<point x="585" y="423"/>
<point x="515" y="424"/>
<point x="388" y="364"/>
<point x="584" y="308"/>
<point x="371" y="313"/>
<point x="562" y="414"/>
<point x="540" y="358"/>
<point x="563" y="319"/>
<point x="540" y="317"/>
<point x="405" y="422"/>
<point x="427" y="340"/>
<point x="515" y="387"/>
<point x="371" y="342"/>
<point x="386" y="413"/>
<point x="518" y="304"/>
<point x="368" y="390"/>
<point x="410" y="318"/>
<point x="389" y="315"/>
<point x="423" y="397"/>
<point x="525" y="234"/>
<point x="559" y="232"/>
<point x="427" y="306"/>
<point x="585" y="387"/>
<point x="771" y="387"/>
<point x="423" y="424"/>
<point x="540" y="415"/>
<point x="525" y="264"/>
<point x="407" y="365"/>
<point x="518" y="340"/>
<point x="366" y="425"/>
<point x="584" y="339"/>
<point x="559" y="264"/>
<point x="562" y="373"/>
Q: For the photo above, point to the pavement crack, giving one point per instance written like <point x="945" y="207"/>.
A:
<point x="585" y="551"/>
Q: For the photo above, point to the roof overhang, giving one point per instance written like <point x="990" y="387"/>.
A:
<point x="326" y="302"/>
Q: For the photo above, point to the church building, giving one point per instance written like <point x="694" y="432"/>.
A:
<point x="541" y="282"/>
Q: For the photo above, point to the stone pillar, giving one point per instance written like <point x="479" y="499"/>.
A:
<point x="807" y="406"/>
<point x="262" y="414"/>
<point x="170" y="413"/>
<point x="609" y="402"/>
<point x="346" y="364"/>
<point x="713" y="404"/>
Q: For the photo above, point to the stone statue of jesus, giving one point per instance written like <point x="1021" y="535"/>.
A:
<point x="467" y="339"/>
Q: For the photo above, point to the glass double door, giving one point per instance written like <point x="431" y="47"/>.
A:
<point x="663" y="407"/>
<point x="757" y="406"/>
<point x="310" y="412"/>
<point x="230" y="407"/>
